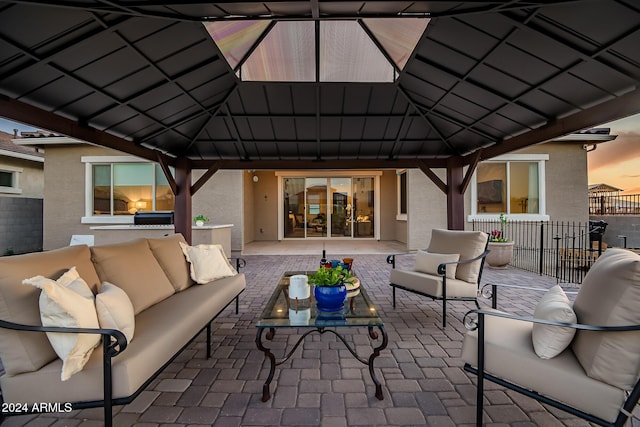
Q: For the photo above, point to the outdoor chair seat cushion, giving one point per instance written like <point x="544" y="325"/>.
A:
<point x="161" y="331"/>
<point x="431" y="284"/>
<point x="509" y="355"/>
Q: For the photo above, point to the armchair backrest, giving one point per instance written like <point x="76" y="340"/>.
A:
<point x="469" y="244"/>
<point x="610" y="296"/>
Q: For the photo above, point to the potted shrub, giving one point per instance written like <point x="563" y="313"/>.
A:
<point x="200" y="220"/>
<point x="330" y="291"/>
<point x="500" y="246"/>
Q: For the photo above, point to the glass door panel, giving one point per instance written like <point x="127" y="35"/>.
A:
<point x="294" y="221"/>
<point x="363" y="207"/>
<point x="341" y="207"/>
<point x="316" y="207"/>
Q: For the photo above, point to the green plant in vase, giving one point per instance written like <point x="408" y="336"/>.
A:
<point x="330" y="291"/>
<point x="330" y="276"/>
<point x="200" y="220"/>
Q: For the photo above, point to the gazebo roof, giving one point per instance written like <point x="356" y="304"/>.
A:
<point x="485" y="78"/>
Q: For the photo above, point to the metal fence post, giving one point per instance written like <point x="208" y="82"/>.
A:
<point x="541" y="248"/>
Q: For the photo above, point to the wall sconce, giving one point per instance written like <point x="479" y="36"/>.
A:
<point x="265" y="197"/>
<point x="141" y="205"/>
<point x="255" y="178"/>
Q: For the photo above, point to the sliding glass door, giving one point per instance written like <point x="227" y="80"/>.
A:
<point x="328" y="207"/>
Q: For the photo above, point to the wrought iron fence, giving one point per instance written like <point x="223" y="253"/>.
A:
<point x="564" y="250"/>
<point x="625" y="204"/>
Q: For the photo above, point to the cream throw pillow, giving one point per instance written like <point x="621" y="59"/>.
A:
<point x="68" y="302"/>
<point x="208" y="262"/>
<point x="115" y="310"/>
<point x="427" y="262"/>
<point x="549" y="341"/>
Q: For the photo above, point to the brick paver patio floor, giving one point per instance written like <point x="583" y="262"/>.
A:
<point x="422" y="375"/>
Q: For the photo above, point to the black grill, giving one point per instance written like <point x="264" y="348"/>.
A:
<point x="153" y="218"/>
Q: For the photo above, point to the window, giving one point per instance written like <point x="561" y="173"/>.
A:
<point x="9" y="180"/>
<point x="510" y="184"/>
<point x="402" y="195"/>
<point x="120" y="186"/>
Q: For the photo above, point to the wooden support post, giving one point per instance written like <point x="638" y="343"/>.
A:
<point x="182" y="210"/>
<point x="455" y="197"/>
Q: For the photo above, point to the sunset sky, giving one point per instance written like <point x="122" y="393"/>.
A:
<point x="615" y="163"/>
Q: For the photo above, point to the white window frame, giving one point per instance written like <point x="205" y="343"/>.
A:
<point x="15" y="181"/>
<point x="541" y="159"/>
<point x="399" y="215"/>
<point x="89" y="162"/>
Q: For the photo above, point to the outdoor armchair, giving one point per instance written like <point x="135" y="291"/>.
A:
<point x="449" y="269"/>
<point x="583" y="358"/>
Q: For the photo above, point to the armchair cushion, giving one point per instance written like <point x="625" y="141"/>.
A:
<point x="549" y="341"/>
<point x="469" y="244"/>
<point x="427" y="262"/>
<point x="610" y="296"/>
<point x="430" y="284"/>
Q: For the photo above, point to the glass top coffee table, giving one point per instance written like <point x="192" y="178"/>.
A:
<point x="282" y="312"/>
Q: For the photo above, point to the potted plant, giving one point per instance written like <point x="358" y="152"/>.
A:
<point x="500" y="246"/>
<point x="330" y="291"/>
<point x="200" y="220"/>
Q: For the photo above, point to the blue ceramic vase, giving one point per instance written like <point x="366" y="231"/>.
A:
<point x="330" y="298"/>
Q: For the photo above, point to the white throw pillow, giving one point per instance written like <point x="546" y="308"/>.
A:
<point x="68" y="303"/>
<point x="115" y="310"/>
<point x="549" y="341"/>
<point x="426" y="262"/>
<point x="208" y="262"/>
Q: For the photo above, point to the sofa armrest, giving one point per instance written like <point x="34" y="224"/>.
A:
<point x="442" y="267"/>
<point x="116" y="346"/>
<point x="490" y="290"/>
<point x="239" y="262"/>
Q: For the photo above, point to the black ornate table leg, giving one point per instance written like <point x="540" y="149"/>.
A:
<point x="376" y="352"/>
<point x="266" y="395"/>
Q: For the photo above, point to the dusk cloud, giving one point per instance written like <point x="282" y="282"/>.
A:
<point x="623" y="148"/>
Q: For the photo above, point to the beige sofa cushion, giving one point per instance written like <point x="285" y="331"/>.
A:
<point x="168" y="253"/>
<point x="427" y="262"/>
<point x="508" y="348"/>
<point x="69" y="303"/>
<point x="549" y="341"/>
<point x="469" y="244"/>
<point x="26" y="352"/>
<point x="208" y="263"/>
<point x="132" y="267"/>
<point x="115" y="310"/>
<point x="610" y="296"/>
<point x="161" y="331"/>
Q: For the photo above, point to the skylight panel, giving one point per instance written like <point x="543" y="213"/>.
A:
<point x="371" y="50"/>
<point x="398" y="36"/>
<point x="287" y="53"/>
<point x="347" y="54"/>
<point x="235" y="38"/>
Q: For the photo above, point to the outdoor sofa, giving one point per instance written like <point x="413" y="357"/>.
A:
<point x="169" y="310"/>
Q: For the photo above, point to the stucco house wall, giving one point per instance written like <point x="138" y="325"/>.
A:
<point x="21" y="206"/>
<point x="64" y="174"/>
<point x="234" y="197"/>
